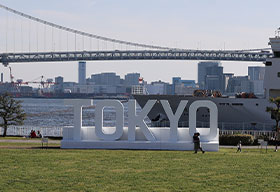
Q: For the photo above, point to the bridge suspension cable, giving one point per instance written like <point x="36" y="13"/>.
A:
<point x="98" y="37"/>
<point x="90" y="36"/>
<point x="85" y="34"/>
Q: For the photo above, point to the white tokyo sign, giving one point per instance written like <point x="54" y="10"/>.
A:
<point x="137" y="130"/>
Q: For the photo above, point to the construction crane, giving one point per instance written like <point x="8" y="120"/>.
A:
<point x="42" y="83"/>
<point x="11" y="75"/>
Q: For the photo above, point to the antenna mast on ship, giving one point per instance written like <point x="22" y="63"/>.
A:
<point x="277" y="33"/>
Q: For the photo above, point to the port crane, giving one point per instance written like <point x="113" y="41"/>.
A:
<point x="40" y="81"/>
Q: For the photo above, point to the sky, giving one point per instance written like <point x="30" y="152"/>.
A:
<point x="189" y="24"/>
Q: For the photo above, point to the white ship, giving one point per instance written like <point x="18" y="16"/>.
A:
<point x="233" y="113"/>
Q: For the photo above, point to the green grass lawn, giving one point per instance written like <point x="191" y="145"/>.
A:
<point x="130" y="170"/>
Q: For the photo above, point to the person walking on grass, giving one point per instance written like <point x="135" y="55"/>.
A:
<point x="196" y="142"/>
<point x="239" y="147"/>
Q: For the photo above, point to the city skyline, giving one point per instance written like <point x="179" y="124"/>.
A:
<point x="186" y="24"/>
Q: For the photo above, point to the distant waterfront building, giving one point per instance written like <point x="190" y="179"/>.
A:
<point x="188" y="83"/>
<point x="227" y="77"/>
<point x="202" y="72"/>
<point x="238" y="84"/>
<point x="59" y="80"/>
<point x="84" y="89"/>
<point x="58" y="87"/>
<point x="175" y="81"/>
<point x="68" y="87"/>
<point x="110" y="79"/>
<point x="182" y="87"/>
<point x="256" y="75"/>
<point x="25" y="89"/>
<point x="82" y="73"/>
<point x="159" y="88"/>
<point x="10" y="88"/>
<point x="131" y="79"/>
<point x="107" y="83"/>
<point x="214" y="79"/>
<point x="138" y="90"/>
<point x="184" y="90"/>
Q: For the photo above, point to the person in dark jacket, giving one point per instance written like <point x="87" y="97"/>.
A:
<point x="196" y="142"/>
<point x="239" y="147"/>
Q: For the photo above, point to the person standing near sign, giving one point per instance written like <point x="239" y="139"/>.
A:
<point x="196" y="142"/>
<point x="239" y="147"/>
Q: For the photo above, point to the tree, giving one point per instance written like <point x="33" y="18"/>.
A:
<point x="275" y="114"/>
<point x="11" y="112"/>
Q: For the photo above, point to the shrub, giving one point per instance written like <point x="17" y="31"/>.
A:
<point x="234" y="139"/>
<point x="273" y="142"/>
<point x="263" y="137"/>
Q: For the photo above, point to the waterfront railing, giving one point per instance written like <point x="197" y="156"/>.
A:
<point x="25" y="131"/>
<point x="254" y="129"/>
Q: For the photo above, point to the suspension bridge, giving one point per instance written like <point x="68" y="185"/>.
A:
<point x="31" y="39"/>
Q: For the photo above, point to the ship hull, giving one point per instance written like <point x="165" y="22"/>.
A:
<point x="233" y="113"/>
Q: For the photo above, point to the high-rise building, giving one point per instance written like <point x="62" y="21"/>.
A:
<point x="256" y="75"/>
<point x="238" y="84"/>
<point x="175" y="81"/>
<point x="213" y="82"/>
<point x="58" y="87"/>
<point x="106" y="79"/>
<point x="110" y="79"/>
<point x="131" y="79"/>
<point x="159" y="88"/>
<point x="107" y="83"/>
<point x="188" y="83"/>
<point x="227" y="77"/>
<point x="214" y="79"/>
<point x="182" y="87"/>
<point x="202" y="73"/>
<point x="82" y="73"/>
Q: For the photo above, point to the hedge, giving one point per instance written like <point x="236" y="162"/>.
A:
<point x="234" y="139"/>
<point x="273" y="142"/>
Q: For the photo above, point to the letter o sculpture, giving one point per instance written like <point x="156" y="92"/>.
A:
<point x="213" y="118"/>
<point x="99" y="120"/>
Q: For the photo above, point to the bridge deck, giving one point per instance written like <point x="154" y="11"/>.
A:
<point x="7" y="58"/>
